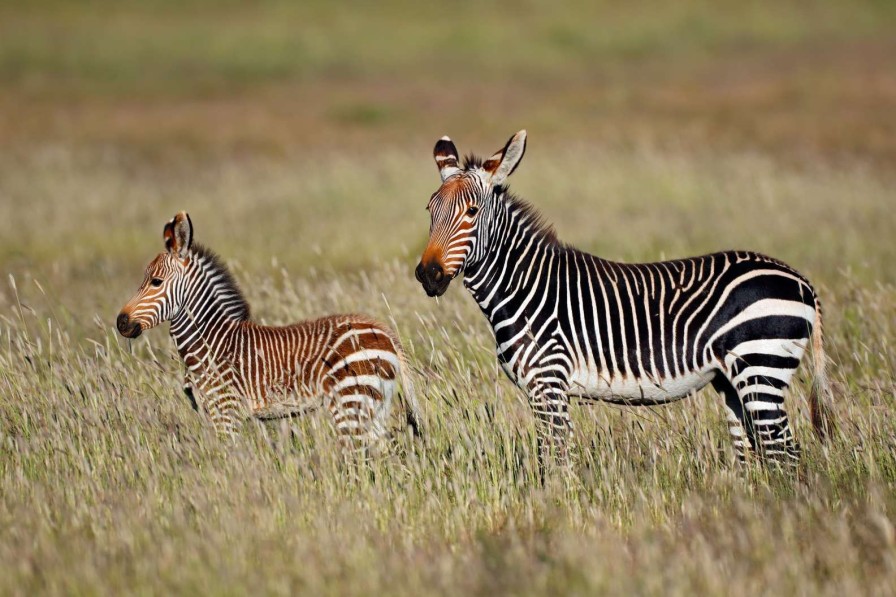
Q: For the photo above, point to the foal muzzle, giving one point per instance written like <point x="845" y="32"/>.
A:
<point x="127" y="327"/>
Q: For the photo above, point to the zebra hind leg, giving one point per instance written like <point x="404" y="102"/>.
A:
<point x="353" y="415"/>
<point x="762" y="395"/>
<point x="739" y="428"/>
<point x="774" y="437"/>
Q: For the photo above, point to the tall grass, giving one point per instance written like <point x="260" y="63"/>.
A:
<point x="109" y="482"/>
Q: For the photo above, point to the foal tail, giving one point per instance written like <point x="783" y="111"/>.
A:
<point x="821" y="396"/>
<point x="409" y="395"/>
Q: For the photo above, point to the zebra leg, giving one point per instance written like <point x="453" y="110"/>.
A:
<point x="225" y="410"/>
<point x="553" y="425"/>
<point x="772" y="434"/>
<point x="188" y="391"/>
<point x="766" y="420"/>
<point x="738" y="425"/>
<point x="353" y="412"/>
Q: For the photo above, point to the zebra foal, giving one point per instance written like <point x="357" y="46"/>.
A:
<point x="569" y="324"/>
<point x="349" y="364"/>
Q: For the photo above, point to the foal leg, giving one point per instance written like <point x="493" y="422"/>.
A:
<point x="191" y="396"/>
<point x="353" y="411"/>
<point x="225" y="409"/>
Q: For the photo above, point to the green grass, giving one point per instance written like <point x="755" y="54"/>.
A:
<point x="127" y="47"/>
<point x="109" y="482"/>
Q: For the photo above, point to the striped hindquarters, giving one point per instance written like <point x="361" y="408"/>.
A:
<point x="763" y="308"/>
<point x="361" y="367"/>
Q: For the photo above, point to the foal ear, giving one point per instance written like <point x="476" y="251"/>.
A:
<point x="445" y="154"/>
<point x="178" y="235"/>
<point x="502" y="164"/>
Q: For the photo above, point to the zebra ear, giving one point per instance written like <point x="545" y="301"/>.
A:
<point x="502" y="164"/>
<point x="178" y="235"/>
<point x="445" y="154"/>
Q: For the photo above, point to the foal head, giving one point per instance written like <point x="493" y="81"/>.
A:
<point x="161" y="294"/>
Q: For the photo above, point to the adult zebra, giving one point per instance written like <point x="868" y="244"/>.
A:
<point x="235" y="367"/>
<point x="567" y="323"/>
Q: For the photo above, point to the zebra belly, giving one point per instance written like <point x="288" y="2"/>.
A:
<point x="285" y="398"/>
<point x="592" y="384"/>
<point x="281" y="410"/>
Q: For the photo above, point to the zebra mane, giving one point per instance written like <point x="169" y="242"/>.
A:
<point x="216" y="268"/>
<point x="534" y="221"/>
<point x="472" y="161"/>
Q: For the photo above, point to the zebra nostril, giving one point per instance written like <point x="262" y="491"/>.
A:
<point x="418" y="272"/>
<point x="122" y="322"/>
<point x="436" y="272"/>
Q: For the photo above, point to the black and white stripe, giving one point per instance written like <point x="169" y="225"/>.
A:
<point x="567" y="323"/>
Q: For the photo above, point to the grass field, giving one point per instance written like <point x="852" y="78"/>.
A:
<point x="299" y="139"/>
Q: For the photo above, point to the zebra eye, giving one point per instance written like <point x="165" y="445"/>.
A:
<point x="471" y="211"/>
<point x="156" y="282"/>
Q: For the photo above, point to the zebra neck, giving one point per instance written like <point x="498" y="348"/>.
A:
<point x="499" y="272"/>
<point x="196" y="331"/>
<point x="212" y="308"/>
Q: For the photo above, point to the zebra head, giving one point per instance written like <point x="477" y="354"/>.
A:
<point x="460" y="210"/>
<point x="158" y="298"/>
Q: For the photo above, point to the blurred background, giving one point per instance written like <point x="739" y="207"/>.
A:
<point x="794" y="78"/>
<point x="297" y="133"/>
<point x="303" y="130"/>
<point x="299" y="136"/>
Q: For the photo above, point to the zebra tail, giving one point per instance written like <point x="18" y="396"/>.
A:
<point x="821" y="396"/>
<point x="409" y="395"/>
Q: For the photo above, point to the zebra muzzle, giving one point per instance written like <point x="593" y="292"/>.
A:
<point x="433" y="278"/>
<point x="126" y="327"/>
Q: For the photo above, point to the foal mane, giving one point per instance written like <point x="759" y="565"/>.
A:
<point x="215" y="266"/>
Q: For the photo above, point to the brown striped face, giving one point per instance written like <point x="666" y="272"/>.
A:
<point x="157" y="299"/>
<point x="455" y="209"/>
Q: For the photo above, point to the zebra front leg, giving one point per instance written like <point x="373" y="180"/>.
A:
<point x="191" y="396"/>
<point x="225" y="410"/>
<point x="553" y="425"/>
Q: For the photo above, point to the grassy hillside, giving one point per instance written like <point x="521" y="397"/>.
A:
<point x="299" y="139"/>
